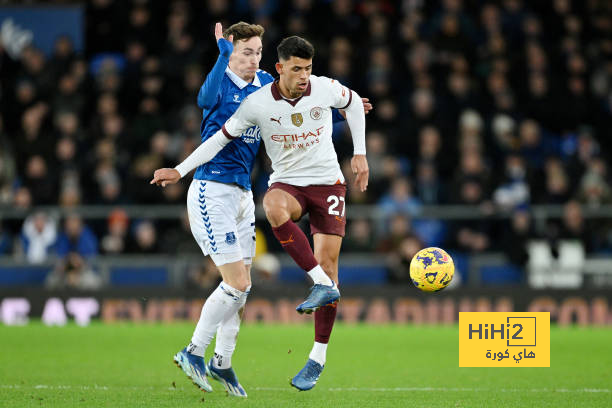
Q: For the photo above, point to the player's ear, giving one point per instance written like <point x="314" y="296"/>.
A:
<point x="279" y="68"/>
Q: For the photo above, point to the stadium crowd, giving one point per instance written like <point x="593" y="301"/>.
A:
<point x="496" y="104"/>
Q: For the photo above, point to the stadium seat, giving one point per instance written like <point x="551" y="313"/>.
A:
<point x="565" y="272"/>
<point x="540" y="263"/>
<point x="569" y="271"/>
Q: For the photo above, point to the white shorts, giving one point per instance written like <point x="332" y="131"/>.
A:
<point x="222" y="220"/>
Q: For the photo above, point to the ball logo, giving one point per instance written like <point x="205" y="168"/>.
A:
<point x="316" y="113"/>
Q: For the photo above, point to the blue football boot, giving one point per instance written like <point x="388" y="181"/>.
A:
<point x="228" y="378"/>
<point x="194" y="367"/>
<point x="308" y="376"/>
<point x="320" y="295"/>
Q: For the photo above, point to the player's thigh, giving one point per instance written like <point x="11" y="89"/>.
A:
<point x="246" y="227"/>
<point x="213" y="209"/>
<point x="327" y="209"/>
<point x="327" y="252"/>
<point x="285" y="198"/>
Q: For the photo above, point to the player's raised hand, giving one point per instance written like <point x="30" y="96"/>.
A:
<point x="163" y="177"/>
<point x="359" y="165"/>
<point x="226" y="47"/>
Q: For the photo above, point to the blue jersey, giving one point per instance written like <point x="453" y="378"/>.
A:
<point x="219" y="97"/>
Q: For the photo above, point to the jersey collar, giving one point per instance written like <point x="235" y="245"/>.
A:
<point x="241" y="83"/>
<point x="276" y="94"/>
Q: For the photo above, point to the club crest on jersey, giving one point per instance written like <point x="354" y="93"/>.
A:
<point x="297" y="119"/>
<point x="316" y="113"/>
<point x="236" y="98"/>
<point x="230" y="238"/>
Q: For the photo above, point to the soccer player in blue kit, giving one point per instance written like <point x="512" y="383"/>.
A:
<point x="220" y="204"/>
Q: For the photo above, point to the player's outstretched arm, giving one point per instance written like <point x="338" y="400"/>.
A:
<point x="355" y="117"/>
<point x="203" y="154"/>
<point x="207" y="96"/>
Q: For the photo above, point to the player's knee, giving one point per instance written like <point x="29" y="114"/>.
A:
<point x="239" y="283"/>
<point x="276" y="210"/>
<point x="243" y="285"/>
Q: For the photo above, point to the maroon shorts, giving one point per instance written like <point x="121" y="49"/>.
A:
<point x="324" y="204"/>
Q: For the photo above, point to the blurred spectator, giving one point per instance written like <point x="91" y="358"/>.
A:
<point x="359" y="237"/>
<point x="573" y="226"/>
<point x="145" y="238"/>
<point x="593" y="190"/>
<point x="265" y="270"/>
<point x="76" y="237"/>
<point x="73" y="272"/>
<point x="514" y="190"/>
<point x="399" y="199"/>
<point x="472" y="235"/>
<point x="532" y="144"/>
<point x="557" y="184"/>
<point x="114" y="241"/>
<point x="383" y="166"/>
<point x="7" y="167"/>
<point x="6" y="240"/>
<point x="429" y="187"/>
<point x="399" y="260"/>
<point x="203" y="275"/>
<point x="399" y="227"/>
<point x="178" y="239"/>
<point x="38" y="237"/>
<point x="503" y="133"/>
<point x="40" y="180"/>
<point x="515" y="237"/>
<point x="22" y="198"/>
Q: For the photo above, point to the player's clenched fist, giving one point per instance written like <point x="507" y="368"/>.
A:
<point x="359" y="165"/>
<point x="163" y="177"/>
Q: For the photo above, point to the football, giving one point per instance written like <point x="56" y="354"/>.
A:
<point x="431" y="269"/>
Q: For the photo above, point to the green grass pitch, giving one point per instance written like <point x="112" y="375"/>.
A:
<point x="127" y="365"/>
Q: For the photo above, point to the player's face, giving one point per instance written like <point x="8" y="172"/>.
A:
<point x="244" y="61"/>
<point x="294" y="75"/>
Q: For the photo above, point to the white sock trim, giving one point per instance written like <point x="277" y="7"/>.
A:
<point x="196" y="350"/>
<point x="318" y="352"/>
<point x="318" y="276"/>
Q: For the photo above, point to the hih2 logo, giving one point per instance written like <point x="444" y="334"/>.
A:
<point x="236" y="98"/>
